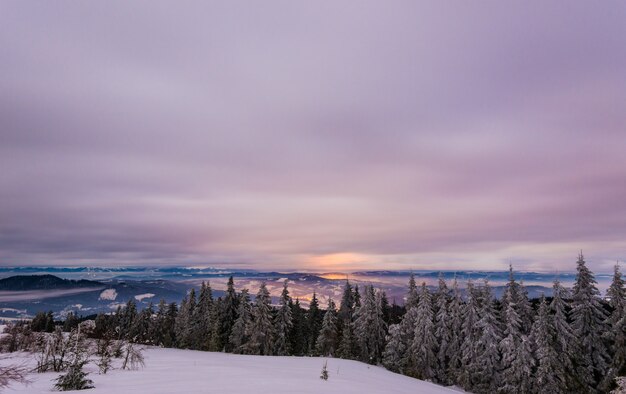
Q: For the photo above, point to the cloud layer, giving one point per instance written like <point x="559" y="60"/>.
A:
<point x="308" y="136"/>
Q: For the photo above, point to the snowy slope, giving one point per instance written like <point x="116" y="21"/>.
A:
<point x="187" y="371"/>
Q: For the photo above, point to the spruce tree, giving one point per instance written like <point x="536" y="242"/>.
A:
<point x="617" y="329"/>
<point x="300" y="331"/>
<point x="240" y="334"/>
<point x="470" y="334"/>
<point x="422" y="358"/>
<point x="261" y="335"/>
<point x="314" y="318"/>
<point x="370" y="328"/>
<point x="394" y="350"/>
<point x="228" y="314"/>
<point x="550" y="376"/>
<point x="443" y="330"/>
<point x="487" y="361"/>
<point x="326" y="343"/>
<point x="412" y="296"/>
<point x="565" y="341"/>
<point x="456" y="337"/>
<point x="283" y="324"/>
<point x="588" y="324"/>
<point x="510" y="344"/>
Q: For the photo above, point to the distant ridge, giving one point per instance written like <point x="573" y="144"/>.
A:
<point x="43" y="282"/>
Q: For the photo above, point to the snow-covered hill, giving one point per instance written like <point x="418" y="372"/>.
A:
<point x="187" y="371"/>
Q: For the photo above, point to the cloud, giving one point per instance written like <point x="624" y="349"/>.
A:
<point x="279" y="134"/>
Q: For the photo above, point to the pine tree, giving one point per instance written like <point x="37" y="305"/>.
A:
<point x="185" y="325"/>
<point x="314" y="322"/>
<point x="326" y="342"/>
<point x="565" y="342"/>
<point x="550" y="376"/>
<point x="240" y="333"/>
<point x="617" y="332"/>
<point x="283" y="324"/>
<point x="443" y="330"/>
<point x="261" y="335"/>
<point x="412" y="296"/>
<point x="456" y="337"/>
<point x="370" y="327"/>
<point x="421" y="351"/>
<point x="487" y="354"/>
<point x="588" y="324"/>
<point x="525" y="310"/>
<point x="300" y="331"/>
<point x="470" y="334"/>
<point x="228" y="314"/>
<point x="395" y="350"/>
<point x="203" y="318"/>
<point x="345" y="323"/>
<point x="510" y="344"/>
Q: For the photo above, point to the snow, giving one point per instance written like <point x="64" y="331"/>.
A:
<point x="188" y="371"/>
<point x="108" y="294"/>
<point x="140" y="297"/>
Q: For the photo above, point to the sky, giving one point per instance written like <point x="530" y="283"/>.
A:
<point x="313" y="135"/>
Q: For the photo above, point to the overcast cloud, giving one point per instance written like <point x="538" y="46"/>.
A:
<point x="313" y="135"/>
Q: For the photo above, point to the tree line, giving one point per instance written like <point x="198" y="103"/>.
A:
<point x="574" y="341"/>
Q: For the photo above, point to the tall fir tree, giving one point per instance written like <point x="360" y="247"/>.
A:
<point x="262" y="329"/>
<point x="588" y="324"/>
<point x="486" y="378"/>
<point x="228" y="314"/>
<point x="240" y="333"/>
<point x="314" y="318"/>
<point x="470" y="334"/>
<point x="394" y="350"/>
<point x="283" y="324"/>
<point x="422" y="358"/>
<point x="617" y="329"/>
<point x="326" y="343"/>
<point x="456" y="338"/>
<point x="565" y="341"/>
<point x="443" y="330"/>
<point x="550" y="376"/>
<point x="370" y="328"/>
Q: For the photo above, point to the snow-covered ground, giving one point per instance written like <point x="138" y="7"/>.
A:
<point x="187" y="371"/>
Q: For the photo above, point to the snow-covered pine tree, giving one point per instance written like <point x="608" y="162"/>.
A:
<point x="326" y="342"/>
<point x="313" y="319"/>
<point x="617" y="331"/>
<point x="369" y="327"/>
<point x="299" y="334"/>
<point x="261" y="335"/>
<point x="550" y="375"/>
<point x="511" y="341"/>
<point x="421" y="353"/>
<point x="565" y="341"/>
<point x="589" y="324"/>
<point x="183" y="322"/>
<point x="240" y="332"/>
<point x="203" y="318"/>
<point x="228" y="314"/>
<point x="345" y="324"/>
<point x="408" y="322"/>
<point x="487" y="361"/>
<point x="456" y="337"/>
<point x="443" y="330"/>
<point x="470" y="334"/>
<point x="394" y="350"/>
<point x="412" y="296"/>
<point x="525" y="310"/>
<point x="283" y="324"/>
<point x="357" y="297"/>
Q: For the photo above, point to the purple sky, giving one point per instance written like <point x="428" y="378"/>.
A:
<point x="322" y="135"/>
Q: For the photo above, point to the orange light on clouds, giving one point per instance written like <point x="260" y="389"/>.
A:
<point x="336" y="261"/>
